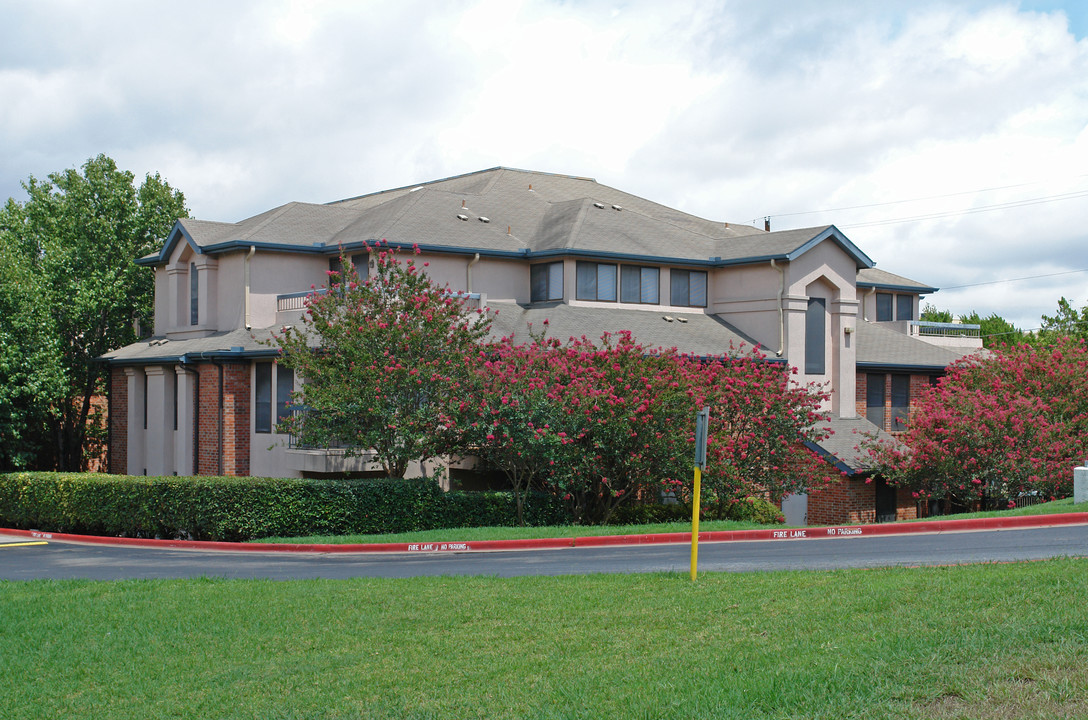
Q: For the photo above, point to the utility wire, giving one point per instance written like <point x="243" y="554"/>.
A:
<point x="918" y="199"/>
<point x="972" y="211"/>
<point x="1028" y="277"/>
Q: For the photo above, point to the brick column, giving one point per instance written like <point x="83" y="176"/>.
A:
<point x="208" y="409"/>
<point x="236" y="418"/>
<point x="118" y="419"/>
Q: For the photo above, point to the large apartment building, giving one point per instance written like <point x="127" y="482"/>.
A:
<point x="202" y="395"/>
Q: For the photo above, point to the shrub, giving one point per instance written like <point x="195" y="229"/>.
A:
<point x="236" y="509"/>
<point x="754" y="509"/>
<point x="646" y="513"/>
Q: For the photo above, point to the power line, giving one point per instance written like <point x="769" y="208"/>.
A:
<point x="972" y="211"/>
<point x="1028" y="277"/>
<point x="918" y="199"/>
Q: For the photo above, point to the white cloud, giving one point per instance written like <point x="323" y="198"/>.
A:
<point x="731" y="111"/>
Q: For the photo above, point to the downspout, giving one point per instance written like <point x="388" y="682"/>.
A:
<point x="865" y="305"/>
<point x="781" y="310"/>
<point x="252" y="251"/>
<point x="475" y="259"/>
<point x="196" y="414"/>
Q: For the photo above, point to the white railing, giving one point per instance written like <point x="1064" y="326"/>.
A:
<point x="295" y="301"/>
<point x="937" y="329"/>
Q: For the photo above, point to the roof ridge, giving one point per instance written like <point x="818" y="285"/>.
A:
<point x="576" y="227"/>
<point x="424" y="184"/>
<point x="412" y="199"/>
<point x="274" y="214"/>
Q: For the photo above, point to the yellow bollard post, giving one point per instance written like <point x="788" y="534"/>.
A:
<point x="695" y="524"/>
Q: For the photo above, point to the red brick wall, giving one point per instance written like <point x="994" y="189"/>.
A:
<point x="118" y="420"/>
<point x="207" y="409"/>
<point x="906" y="507"/>
<point x="235" y="420"/>
<point x="918" y="385"/>
<point x="847" y="502"/>
<point x="853" y="502"/>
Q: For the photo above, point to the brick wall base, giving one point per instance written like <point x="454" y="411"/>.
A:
<point x="853" y="502"/>
<point x="223" y="441"/>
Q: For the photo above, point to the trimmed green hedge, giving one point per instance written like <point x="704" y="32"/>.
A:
<point x="234" y="509"/>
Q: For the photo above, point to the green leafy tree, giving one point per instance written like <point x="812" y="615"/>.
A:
<point x="1067" y="322"/>
<point x="994" y="329"/>
<point x="996" y="427"/>
<point x="32" y="378"/>
<point x="78" y="234"/>
<point x="385" y="362"/>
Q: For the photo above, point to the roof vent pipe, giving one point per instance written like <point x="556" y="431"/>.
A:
<point x="781" y="310"/>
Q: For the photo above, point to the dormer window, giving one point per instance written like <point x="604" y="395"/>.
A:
<point x="546" y="282"/>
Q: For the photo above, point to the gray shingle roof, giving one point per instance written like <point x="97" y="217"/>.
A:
<point x="527" y="212"/>
<point x="882" y="346"/>
<point x="843" y="446"/>
<point x="701" y="335"/>
<point x="216" y="346"/>
<point x="872" y="277"/>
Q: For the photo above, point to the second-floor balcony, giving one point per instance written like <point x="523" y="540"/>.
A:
<point x="952" y="334"/>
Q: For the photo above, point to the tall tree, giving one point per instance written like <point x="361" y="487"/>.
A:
<point x="79" y="232"/>
<point x="31" y="375"/>
<point x="1066" y="322"/>
<point x="384" y="361"/>
<point x="1010" y="423"/>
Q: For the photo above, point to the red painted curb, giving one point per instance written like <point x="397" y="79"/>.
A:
<point x="805" y="533"/>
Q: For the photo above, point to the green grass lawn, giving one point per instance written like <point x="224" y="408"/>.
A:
<point x="985" y="641"/>
<point x="570" y="531"/>
<point x="1054" y="507"/>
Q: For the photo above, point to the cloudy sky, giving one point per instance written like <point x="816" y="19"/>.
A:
<point x="948" y="140"/>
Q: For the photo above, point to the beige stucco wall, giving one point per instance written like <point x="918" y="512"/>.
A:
<point x="746" y="296"/>
<point x="825" y="271"/>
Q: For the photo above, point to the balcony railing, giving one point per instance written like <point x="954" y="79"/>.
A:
<point x="301" y="413"/>
<point x="952" y="330"/>
<point x="295" y="301"/>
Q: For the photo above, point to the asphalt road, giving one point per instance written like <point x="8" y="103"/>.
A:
<point x="23" y="559"/>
